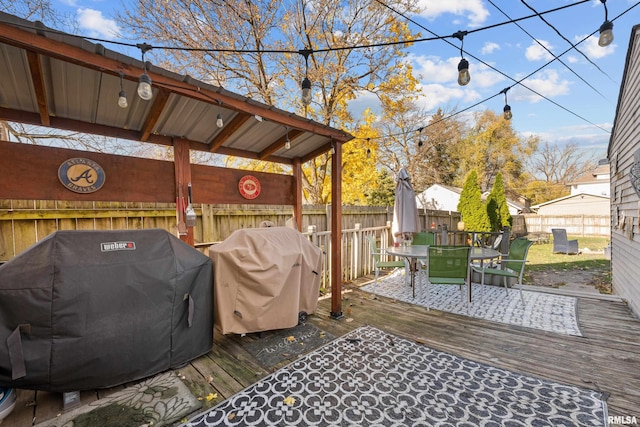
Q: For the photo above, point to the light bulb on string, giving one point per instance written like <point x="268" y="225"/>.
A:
<point x="287" y="144"/>
<point x="506" y="111"/>
<point x="219" y="121"/>
<point x="145" y="90"/>
<point x="122" y="96"/>
<point x="606" y="29"/>
<point x="463" y="66"/>
<point x="306" y="83"/>
<point x="463" y="72"/>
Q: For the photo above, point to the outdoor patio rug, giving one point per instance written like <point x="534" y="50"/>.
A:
<point x="548" y="312"/>
<point x="371" y="378"/>
<point x="277" y="346"/>
<point x="157" y="401"/>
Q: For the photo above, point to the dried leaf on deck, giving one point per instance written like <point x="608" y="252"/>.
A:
<point x="291" y="338"/>
<point x="289" y="400"/>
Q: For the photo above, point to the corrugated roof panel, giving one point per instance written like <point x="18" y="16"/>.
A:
<point x="74" y="91"/>
<point x="16" y="88"/>
<point x="189" y="118"/>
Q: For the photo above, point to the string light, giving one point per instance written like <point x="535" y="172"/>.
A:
<point x="333" y="149"/>
<point x="287" y="144"/>
<point x="145" y="79"/>
<point x="219" y="121"/>
<point x="507" y="109"/>
<point x="606" y="29"/>
<point x="463" y="66"/>
<point x="122" y="97"/>
<point x="144" y="83"/>
<point x="420" y="143"/>
<point x="306" y="83"/>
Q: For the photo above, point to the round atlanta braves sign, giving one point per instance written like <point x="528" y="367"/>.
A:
<point x="81" y="175"/>
<point x="249" y="187"/>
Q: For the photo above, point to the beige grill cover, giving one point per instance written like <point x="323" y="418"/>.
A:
<point x="264" y="277"/>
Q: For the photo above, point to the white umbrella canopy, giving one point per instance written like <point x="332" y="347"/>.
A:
<point x="405" y="210"/>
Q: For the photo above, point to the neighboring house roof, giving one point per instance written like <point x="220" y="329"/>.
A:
<point x="454" y="193"/>
<point x="599" y="175"/>
<point x="561" y="199"/>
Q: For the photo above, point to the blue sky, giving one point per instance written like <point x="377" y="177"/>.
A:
<point x="508" y="49"/>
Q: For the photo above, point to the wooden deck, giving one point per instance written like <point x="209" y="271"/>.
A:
<point x="606" y="358"/>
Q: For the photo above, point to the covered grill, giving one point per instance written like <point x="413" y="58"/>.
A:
<point x="91" y="309"/>
<point x="264" y="278"/>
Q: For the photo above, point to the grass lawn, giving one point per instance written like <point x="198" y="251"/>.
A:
<point x="542" y="258"/>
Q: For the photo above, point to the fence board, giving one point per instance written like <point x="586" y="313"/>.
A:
<point x="24" y="222"/>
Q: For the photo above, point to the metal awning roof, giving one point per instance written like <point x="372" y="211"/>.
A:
<point x="59" y="80"/>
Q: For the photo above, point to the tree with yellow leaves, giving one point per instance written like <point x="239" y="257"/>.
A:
<point x="313" y="40"/>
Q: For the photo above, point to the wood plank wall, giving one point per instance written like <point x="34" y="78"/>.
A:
<point x="625" y="200"/>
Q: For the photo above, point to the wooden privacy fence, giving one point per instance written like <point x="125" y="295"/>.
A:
<point x="23" y="223"/>
<point x="576" y="225"/>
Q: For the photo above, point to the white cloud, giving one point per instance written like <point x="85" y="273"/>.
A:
<point x="535" y="52"/>
<point x="591" y="48"/>
<point x="474" y="10"/>
<point x="435" y="70"/>
<point x="547" y="83"/>
<point x="489" y="48"/>
<point x="96" y="25"/>
<point x="437" y="95"/>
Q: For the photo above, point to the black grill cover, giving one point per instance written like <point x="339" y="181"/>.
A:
<point x="92" y="309"/>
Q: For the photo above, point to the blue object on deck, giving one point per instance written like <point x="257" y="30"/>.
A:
<point x="7" y="401"/>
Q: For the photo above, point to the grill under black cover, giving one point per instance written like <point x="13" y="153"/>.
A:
<point x="92" y="309"/>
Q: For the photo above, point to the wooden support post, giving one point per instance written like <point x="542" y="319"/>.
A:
<point x="297" y="193"/>
<point x="336" y="232"/>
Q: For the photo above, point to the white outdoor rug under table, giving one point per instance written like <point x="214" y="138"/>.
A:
<point x="544" y="311"/>
<point x="371" y="378"/>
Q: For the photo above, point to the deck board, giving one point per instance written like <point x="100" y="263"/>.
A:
<point x="605" y="358"/>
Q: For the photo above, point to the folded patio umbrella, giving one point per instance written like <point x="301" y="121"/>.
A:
<point x="405" y="210"/>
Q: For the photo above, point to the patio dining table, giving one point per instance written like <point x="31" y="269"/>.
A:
<point x="413" y="253"/>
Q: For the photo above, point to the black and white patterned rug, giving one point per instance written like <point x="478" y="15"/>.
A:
<point x="371" y="378"/>
<point x="548" y="312"/>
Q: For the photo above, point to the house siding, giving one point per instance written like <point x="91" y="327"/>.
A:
<point x="582" y="204"/>
<point x="625" y="203"/>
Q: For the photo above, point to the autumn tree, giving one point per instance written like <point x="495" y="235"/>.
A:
<point x="437" y="153"/>
<point x="360" y="176"/>
<point x="263" y="49"/>
<point x="491" y="146"/>
<point x="555" y="168"/>
<point x="470" y="206"/>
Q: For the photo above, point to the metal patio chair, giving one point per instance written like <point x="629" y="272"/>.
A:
<point x="447" y="265"/>
<point x="562" y="244"/>
<point x="511" y="266"/>
<point x="377" y="263"/>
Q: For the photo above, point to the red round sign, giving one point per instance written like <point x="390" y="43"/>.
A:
<point x="249" y="187"/>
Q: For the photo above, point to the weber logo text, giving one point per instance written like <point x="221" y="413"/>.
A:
<point x="117" y="246"/>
